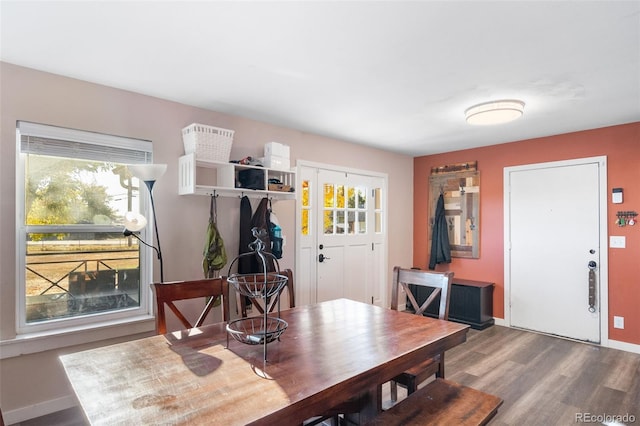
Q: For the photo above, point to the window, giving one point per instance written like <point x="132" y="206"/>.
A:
<point x="75" y="266"/>
<point x="345" y="209"/>
<point x="306" y="208"/>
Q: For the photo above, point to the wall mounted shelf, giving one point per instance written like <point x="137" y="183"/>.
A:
<point x="205" y="177"/>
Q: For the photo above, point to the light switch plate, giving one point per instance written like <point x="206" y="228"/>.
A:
<point x="617" y="242"/>
<point x="618" y="322"/>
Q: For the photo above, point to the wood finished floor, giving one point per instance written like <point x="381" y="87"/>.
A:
<point x="543" y="380"/>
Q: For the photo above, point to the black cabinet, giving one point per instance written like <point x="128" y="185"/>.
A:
<point x="471" y="302"/>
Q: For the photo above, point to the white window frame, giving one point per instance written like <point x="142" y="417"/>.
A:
<point x="141" y="152"/>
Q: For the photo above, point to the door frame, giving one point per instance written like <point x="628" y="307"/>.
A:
<point x="385" y="219"/>
<point x="603" y="236"/>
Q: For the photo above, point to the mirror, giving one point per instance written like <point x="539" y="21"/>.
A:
<point x="461" y="190"/>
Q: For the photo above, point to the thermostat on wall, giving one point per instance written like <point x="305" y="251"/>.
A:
<point x="616" y="196"/>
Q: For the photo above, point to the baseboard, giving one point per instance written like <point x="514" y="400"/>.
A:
<point x="624" y="346"/>
<point x="40" y="409"/>
<point x="500" y="321"/>
<point x="613" y="344"/>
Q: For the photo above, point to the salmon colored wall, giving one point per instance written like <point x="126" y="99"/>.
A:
<point x="621" y="145"/>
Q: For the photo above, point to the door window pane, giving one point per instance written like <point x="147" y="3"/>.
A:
<point x="328" y="222"/>
<point x="378" y="210"/>
<point x="340" y="196"/>
<point x="329" y="196"/>
<point x="305" y="193"/>
<point x="305" y="222"/>
<point x="352" y="197"/>
<point x="362" y="222"/>
<point x="340" y="225"/>
<point x="352" y="222"/>
<point x="306" y="208"/>
<point x="362" y="198"/>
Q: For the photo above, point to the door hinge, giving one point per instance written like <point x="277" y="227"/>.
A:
<point x="372" y="247"/>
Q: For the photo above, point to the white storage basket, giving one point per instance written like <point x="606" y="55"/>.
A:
<point x="208" y="142"/>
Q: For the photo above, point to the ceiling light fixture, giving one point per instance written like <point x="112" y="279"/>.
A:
<point x="494" y="112"/>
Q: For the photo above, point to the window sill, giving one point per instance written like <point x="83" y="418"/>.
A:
<point x="31" y="343"/>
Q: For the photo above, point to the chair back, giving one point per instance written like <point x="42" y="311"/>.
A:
<point x="242" y="301"/>
<point x="440" y="282"/>
<point x="216" y="289"/>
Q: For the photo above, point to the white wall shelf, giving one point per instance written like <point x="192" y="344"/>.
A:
<point x="205" y="177"/>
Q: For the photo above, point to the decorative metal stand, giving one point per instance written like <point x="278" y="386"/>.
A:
<point x="264" y="329"/>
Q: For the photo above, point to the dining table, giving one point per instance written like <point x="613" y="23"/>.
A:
<point x="329" y="353"/>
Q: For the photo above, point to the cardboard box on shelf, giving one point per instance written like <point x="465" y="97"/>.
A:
<point x="279" y="187"/>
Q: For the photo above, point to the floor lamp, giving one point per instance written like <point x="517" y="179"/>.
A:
<point x="148" y="173"/>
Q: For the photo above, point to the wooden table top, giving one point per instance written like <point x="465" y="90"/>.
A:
<point x="330" y="352"/>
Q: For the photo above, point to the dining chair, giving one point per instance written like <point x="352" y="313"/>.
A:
<point x="214" y="289"/>
<point x="243" y="302"/>
<point x="440" y="283"/>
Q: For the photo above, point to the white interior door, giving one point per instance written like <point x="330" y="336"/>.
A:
<point x="343" y="236"/>
<point x="552" y="234"/>
<point x="345" y="255"/>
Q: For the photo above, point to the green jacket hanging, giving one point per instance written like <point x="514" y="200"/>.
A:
<point x="215" y="255"/>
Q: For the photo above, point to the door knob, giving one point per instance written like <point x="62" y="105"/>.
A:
<point x="322" y="257"/>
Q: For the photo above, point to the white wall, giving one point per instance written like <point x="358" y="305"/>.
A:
<point x="34" y="384"/>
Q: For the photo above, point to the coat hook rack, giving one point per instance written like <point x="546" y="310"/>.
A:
<point x="458" y="167"/>
<point x="627" y="217"/>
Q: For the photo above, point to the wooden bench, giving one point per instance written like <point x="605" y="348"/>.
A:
<point x="441" y="402"/>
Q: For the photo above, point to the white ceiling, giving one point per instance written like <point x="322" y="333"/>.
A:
<point x="392" y="74"/>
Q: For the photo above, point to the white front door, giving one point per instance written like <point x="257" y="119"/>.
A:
<point x="553" y="221"/>
<point x="343" y="234"/>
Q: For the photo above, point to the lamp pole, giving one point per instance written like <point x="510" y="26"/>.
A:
<point x="149" y="173"/>
<point x="149" y="184"/>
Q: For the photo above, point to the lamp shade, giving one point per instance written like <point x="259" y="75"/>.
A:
<point x="134" y="222"/>
<point x="494" y="112"/>
<point x="147" y="172"/>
